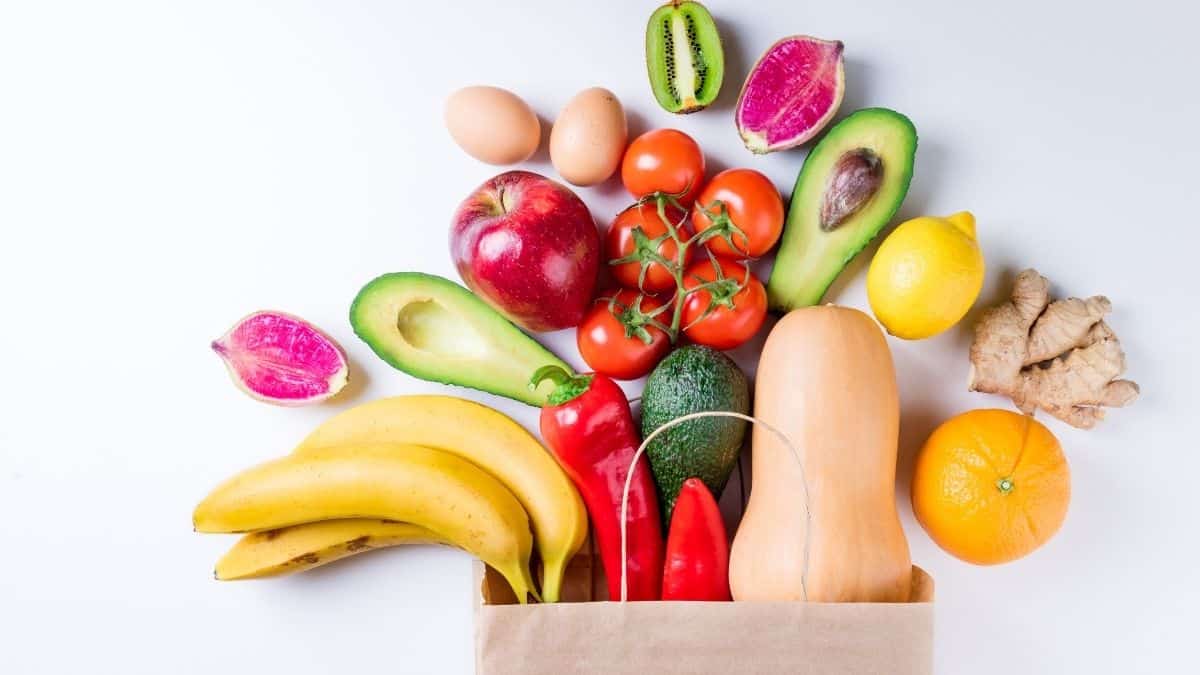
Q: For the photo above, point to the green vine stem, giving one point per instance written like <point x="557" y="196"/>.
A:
<point x="645" y="254"/>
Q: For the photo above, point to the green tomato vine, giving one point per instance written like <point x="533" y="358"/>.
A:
<point x="721" y="290"/>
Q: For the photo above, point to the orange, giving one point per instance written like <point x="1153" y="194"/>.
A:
<point x="991" y="486"/>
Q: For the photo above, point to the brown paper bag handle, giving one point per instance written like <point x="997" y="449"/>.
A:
<point x="697" y="415"/>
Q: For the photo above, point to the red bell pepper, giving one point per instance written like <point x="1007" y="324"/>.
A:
<point x="697" y="564"/>
<point x="588" y="426"/>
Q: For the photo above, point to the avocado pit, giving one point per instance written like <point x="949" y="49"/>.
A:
<point x="852" y="183"/>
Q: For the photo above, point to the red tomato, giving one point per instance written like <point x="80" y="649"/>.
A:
<point x="753" y="206"/>
<point x="622" y="345"/>
<point x="620" y="243"/>
<point x="664" y="160"/>
<point x="737" y="314"/>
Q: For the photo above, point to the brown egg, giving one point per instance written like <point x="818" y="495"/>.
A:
<point x="492" y="125"/>
<point x="588" y="138"/>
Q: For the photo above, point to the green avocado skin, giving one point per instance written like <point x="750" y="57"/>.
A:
<point x="691" y="379"/>
<point x="809" y="258"/>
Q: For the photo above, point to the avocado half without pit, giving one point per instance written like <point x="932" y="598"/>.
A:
<point x="850" y="187"/>
<point x="436" y="330"/>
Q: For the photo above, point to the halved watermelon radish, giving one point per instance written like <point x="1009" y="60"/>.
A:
<point x="791" y="94"/>
<point x="282" y="359"/>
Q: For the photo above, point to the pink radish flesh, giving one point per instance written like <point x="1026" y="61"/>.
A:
<point x="282" y="359"/>
<point x="792" y="93"/>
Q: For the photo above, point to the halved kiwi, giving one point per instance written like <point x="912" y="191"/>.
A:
<point x="684" y="56"/>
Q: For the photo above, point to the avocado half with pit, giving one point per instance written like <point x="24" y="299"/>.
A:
<point x="436" y="330"/>
<point x="850" y="187"/>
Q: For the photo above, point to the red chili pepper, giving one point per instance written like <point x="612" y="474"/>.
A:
<point x="588" y="425"/>
<point x="697" y="565"/>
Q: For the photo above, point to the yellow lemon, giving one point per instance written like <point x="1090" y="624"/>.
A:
<point x="926" y="275"/>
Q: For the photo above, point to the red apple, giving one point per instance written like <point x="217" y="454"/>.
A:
<point x="529" y="247"/>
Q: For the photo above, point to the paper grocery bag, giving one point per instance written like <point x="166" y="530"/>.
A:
<point x="588" y="634"/>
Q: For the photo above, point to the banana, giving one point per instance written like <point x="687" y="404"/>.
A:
<point x="423" y="486"/>
<point x="488" y="439"/>
<point x="302" y="547"/>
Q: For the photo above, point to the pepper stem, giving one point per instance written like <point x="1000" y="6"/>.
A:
<point x="566" y="386"/>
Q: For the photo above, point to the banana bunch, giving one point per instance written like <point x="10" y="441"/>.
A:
<point x="409" y="469"/>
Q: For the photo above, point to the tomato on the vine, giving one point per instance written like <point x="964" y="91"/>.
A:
<point x="664" y="160"/>
<point x="738" y="304"/>
<point x="622" y="242"/>
<point x="618" y="337"/>
<point x="746" y="207"/>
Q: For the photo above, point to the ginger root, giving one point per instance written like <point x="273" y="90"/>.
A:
<point x="1058" y="356"/>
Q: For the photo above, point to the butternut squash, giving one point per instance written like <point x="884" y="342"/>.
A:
<point x="826" y="380"/>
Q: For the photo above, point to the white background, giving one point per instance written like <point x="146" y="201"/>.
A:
<point x="166" y="168"/>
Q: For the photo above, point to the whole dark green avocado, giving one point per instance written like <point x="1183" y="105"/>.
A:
<point x="692" y="379"/>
